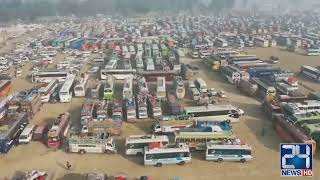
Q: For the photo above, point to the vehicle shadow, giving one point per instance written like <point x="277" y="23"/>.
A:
<point x="120" y="145"/>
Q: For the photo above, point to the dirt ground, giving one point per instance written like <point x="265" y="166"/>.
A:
<point x="265" y="165"/>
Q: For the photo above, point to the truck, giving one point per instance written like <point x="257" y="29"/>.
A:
<point x="87" y="111"/>
<point x="291" y="133"/>
<point x="102" y="110"/>
<point x="25" y="101"/>
<point x="265" y="87"/>
<point x="154" y="106"/>
<point x="91" y="143"/>
<point x="190" y="71"/>
<point x="142" y="106"/>
<point x="106" y="126"/>
<point x="117" y="113"/>
<point x="175" y="104"/>
<point x="59" y="131"/>
<point x="96" y="90"/>
<point x="10" y="130"/>
<point x="179" y="87"/>
<point x="249" y="87"/>
<point x="130" y="108"/>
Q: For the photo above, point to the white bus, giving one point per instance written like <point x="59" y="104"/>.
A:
<point x="135" y="144"/>
<point x="229" y="151"/>
<point x="65" y="93"/>
<point x="48" y="76"/>
<point x="127" y="92"/>
<point x="221" y="42"/>
<point x="201" y="85"/>
<point x="143" y="86"/>
<point x="46" y="92"/>
<point x="214" y="113"/>
<point x="150" y="65"/>
<point x="81" y="87"/>
<point x="162" y="156"/>
<point x="311" y="72"/>
<point x="27" y="133"/>
<point x="161" y="87"/>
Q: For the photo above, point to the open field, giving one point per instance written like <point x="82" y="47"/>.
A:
<point x="265" y="165"/>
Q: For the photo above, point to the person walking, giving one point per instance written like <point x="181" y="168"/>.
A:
<point x="68" y="165"/>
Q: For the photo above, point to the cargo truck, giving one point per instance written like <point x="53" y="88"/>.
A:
<point x="97" y="143"/>
<point x="130" y="109"/>
<point x="249" y="87"/>
<point x="154" y="107"/>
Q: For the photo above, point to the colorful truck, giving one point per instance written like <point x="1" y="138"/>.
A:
<point x="93" y="143"/>
<point x="130" y="108"/>
<point x="59" y="131"/>
<point x="175" y="104"/>
<point x="154" y="106"/>
<point x="87" y="111"/>
<point x="106" y="126"/>
<point x="142" y="106"/>
<point x="248" y="87"/>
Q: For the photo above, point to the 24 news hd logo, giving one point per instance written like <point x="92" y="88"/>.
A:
<point x="296" y="160"/>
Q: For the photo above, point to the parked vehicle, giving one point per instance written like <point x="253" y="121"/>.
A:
<point x="10" y="132"/>
<point x="40" y="133"/>
<point x="142" y="106"/>
<point x="179" y="87"/>
<point x="47" y="91"/>
<point x="249" y="87"/>
<point x="58" y="131"/>
<point x="179" y="154"/>
<point x="96" y="90"/>
<point x="130" y="108"/>
<point x="95" y="143"/>
<point x="154" y="106"/>
<point x="135" y="143"/>
<point x="26" y="135"/>
<point x="66" y="91"/>
<point x="234" y="150"/>
<point x="161" y="87"/>
<point x="81" y="87"/>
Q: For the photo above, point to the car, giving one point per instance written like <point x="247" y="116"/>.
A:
<point x="212" y="92"/>
<point x="222" y="94"/>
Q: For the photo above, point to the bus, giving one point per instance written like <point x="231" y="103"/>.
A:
<point x="234" y="150"/>
<point x="112" y="64"/>
<point x="127" y="92"/>
<point x="265" y="87"/>
<point x="179" y="86"/>
<point x="161" y="87"/>
<point x="127" y="64"/>
<point x="132" y="50"/>
<point x="198" y="140"/>
<point x="48" y="76"/>
<point x="139" y="48"/>
<point x="214" y="112"/>
<point x="164" y="50"/>
<point x="231" y="73"/>
<point x="310" y="72"/>
<point x="201" y="85"/>
<point x="5" y="87"/>
<point x="312" y="52"/>
<point x="108" y="90"/>
<point x="81" y="87"/>
<point x="261" y="42"/>
<point x="221" y="42"/>
<point x="119" y="74"/>
<point x="143" y="86"/>
<point x="150" y="65"/>
<point x="179" y="154"/>
<point x="139" y="63"/>
<point x="65" y="93"/>
<point x="48" y="90"/>
<point x="155" y="50"/>
<point x="135" y="143"/>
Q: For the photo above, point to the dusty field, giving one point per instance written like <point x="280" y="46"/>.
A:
<point x="265" y="165"/>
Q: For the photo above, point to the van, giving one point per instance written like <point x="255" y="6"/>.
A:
<point x="26" y="135"/>
<point x="195" y="94"/>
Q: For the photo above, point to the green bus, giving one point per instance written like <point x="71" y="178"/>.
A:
<point x="164" y="50"/>
<point x="108" y="90"/>
<point x="313" y="130"/>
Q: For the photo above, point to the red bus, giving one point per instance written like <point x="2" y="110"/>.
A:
<point x="59" y="130"/>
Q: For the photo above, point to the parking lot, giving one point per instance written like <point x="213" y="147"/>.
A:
<point x="265" y="165"/>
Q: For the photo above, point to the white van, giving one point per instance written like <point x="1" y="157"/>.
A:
<point x="26" y="135"/>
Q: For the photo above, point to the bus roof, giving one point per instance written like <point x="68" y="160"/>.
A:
<point x="226" y="146"/>
<point x="205" y="135"/>
<point x="219" y="107"/>
<point x="67" y="84"/>
<point x="183" y="148"/>
<point x="46" y="88"/>
<point x="146" y="138"/>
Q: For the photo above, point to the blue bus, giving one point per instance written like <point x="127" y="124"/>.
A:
<point x="10" y="131"/>
<point x="263" y="72"/>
